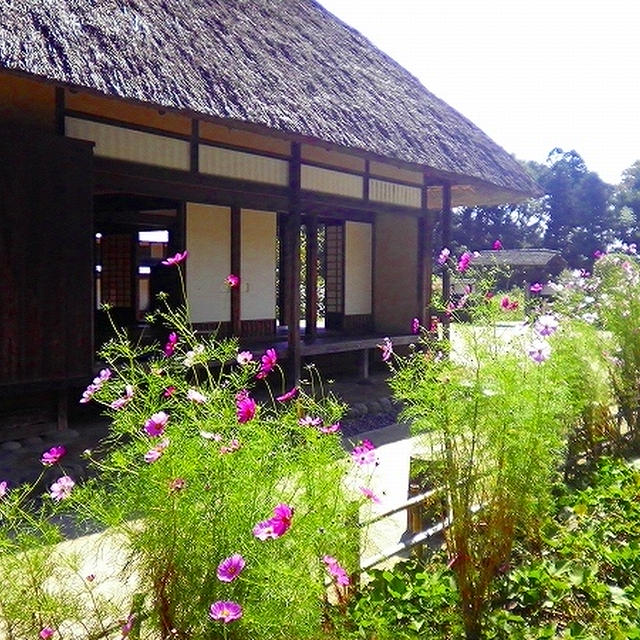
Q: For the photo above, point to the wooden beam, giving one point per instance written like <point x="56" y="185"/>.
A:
<point x="236" y="244"/>
<point x="425" y="260"/>
<point x="293" y="284"/>
<point x="311" y="284"/>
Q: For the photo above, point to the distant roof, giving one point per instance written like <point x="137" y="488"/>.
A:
<point x="288" y="65"/>
<point x="518" y="257"/>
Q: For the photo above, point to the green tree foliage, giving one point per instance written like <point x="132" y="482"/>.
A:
<point x="581" y="220"/>
<point x="626" y="202"/>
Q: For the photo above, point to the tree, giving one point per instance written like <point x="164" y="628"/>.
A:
<point x="581" y="219"/>
<point x="626" y="203"/>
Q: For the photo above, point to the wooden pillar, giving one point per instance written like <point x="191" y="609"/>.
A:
<point x="282" y="269"/>
<point x="194" y="147"/>
<point x="236" y="244"/>
<point x="59" y="111"/>
<point x="311" y="279"/>
<point x="293" y="270"/>
<point x="425" y="268"/>
<point x="446" y="241"/>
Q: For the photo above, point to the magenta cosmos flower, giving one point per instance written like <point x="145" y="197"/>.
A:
<point x="156" y="424"/>
<point x="53" y="455"/>
<point x="61" y="489"/>
<point x="269" y="360"/>
<point x="337" y="571"/>
<point x="464" y="261"/>
<point x="497" y="245"/>
<point x="170" y="347"/>
<point x="230" y="568"/>
<point x="177" y="259"/>
<point x="415" y="326"/>
<point x="46" y="633"/>
<point x="289" y="395"/>
<point x="232" y="281"/>
<point x="97" y="383"/>
<point x="536" y="287"/>
<point x="4" y="488"/>
<point x="508" y="305"/>
<point x="127" y="627"/>
<point x="276" y="526"/>
<point x="245" y="406"/>
<point x="225" y="611"/>
<point x="364" y="453"/>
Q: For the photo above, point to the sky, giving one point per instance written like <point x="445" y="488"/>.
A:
<point x="532" y="74"/>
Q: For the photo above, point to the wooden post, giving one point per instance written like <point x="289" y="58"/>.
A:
<point x="59" y="111"/>
<point x="293" y="283"/>
<point x="446" y="241"/>
<point x="311" y="283"/>
<point x="236" y="244"/>
<point x="194" y="147"/>
<point x="425" y="248"/>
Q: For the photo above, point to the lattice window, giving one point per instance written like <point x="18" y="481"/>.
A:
<point x="117" y="270"/>
<point x="334" y="256"/>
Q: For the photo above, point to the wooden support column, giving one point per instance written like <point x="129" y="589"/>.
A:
<point x="425" y="268"/>
<point x="194" y="147"/>
<point x="236" y="244"/>
<point x="59" y="111"/>
<point x="311" y="279"/>
<point x="293" y="270"/>
<point x="283" y="277"/>
<point x="446" y="241"/>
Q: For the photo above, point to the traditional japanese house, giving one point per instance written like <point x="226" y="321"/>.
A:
<point x="226" y="127"/>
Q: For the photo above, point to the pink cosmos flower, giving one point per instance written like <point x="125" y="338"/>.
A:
<point x="234" y="445"/>
<point x="338" y="572"/>
<point x="387" y="349"/>
<point x="225" y="610"/>
<point x="61" y="489"/>
<point x="269" y="360"/>
<point x="230" y="568"/>
<point x="508" y="304"/>
<point x="497" y="245"/>
<point x="364" y="453"/>
<point x="53" y="455"/>
<point x="126" y="628"/>
<point x="289" y="395"/>
<point x="170" y="347"/>
<point x="309" y="421"/>
<point x="177" y="259"/>
<point x="169" y="391"/>
<point x="367" y="493"/>
<point x="153" y="454"/>
<point x="156" y="424"/>
<point x="276" y="526"/>
<point x="119" y="403"/>
<point x="177" y="484"/>
<point x="46" y="633"/>
<point x="208" y="435"/>
<point x="444" y="256"/>
<point x="95" y="386"/>
<point x="464" y="261"/>
<point x="245" y="407"/>
<point x="539" y="351"/>
<point x="4" y="489"/>
<point x="546" y="325"/>
<point x="332" y="428"/>
<point x="536" y="287"/>
<point x="598" y="254"/>
<point x="244" y="357"/>
<point x="196" y="396"/>
<point x="415" y="326"/>
<point x="232" y="281"/>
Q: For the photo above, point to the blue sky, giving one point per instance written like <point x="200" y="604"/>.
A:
<point x="533" y="74"/>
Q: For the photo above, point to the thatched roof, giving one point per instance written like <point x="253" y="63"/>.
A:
<point x="285" y="64"/>
<point x="520" y="258"/>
